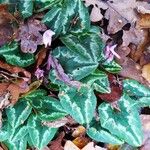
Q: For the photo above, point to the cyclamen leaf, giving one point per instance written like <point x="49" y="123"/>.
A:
<point x="79" y="103"/>
<point x="143" y="102"/>
<point x="40" y="135"/>
<point x="65" y="16"/>
<point x="125" y="124"/>
<point x="4" y="134"/>
<point x="18" y="113"/>
<point x="112" y="67"/>
<point x="14" y="56"/>
<point x="17" y="145"/>
<point x="79" y="59"/>
<point x="98" y="80"/>
<point x="48" y="108"/>
<point x="135" y="88"/>
<point x="101" y="135"/>
<point x="26" y="8"/>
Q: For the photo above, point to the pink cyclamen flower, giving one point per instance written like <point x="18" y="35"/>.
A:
<point x="39" y="73"/>
<point x="47" y="37"/>
<point x="110" y="53"/>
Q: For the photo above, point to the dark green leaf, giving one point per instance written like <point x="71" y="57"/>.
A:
<point x="48" y="108"/>
<point x="79" y="103"/>
<point x="125" y="124"/>
<point x="111" y="67"/>
<point x="18" y="113"/>
<point x="40" y="135"/>
<point x="135" y="88"/>
<point x="98" y="80"/>
<point x="26" y="8"/>
<point x="14" y="56"/>
<point x="82" y="56"/>
<point x="66" y="16"/>
<point x="17" y="145"/>
<point x="99" y="134"/>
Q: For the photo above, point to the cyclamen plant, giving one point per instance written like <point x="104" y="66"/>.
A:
<point x="78" y="68"/>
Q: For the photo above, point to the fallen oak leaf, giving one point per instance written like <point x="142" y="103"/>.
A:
<point x="96" y="14"/>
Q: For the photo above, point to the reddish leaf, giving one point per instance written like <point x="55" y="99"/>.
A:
<point x="116" y="90"/>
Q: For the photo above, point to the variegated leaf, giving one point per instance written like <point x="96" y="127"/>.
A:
<point x="79" y="103"/>
<point x="79" y="59"/>
<point x="40" y="135"/>
<point x="14" y="56"/>
<point x="98" y="80"/>
<point x="125" y="124"/>
<point x="18" y="113"/>
<point x="48" y="108"/>
<point x="134" y="88"/>
<point x="17" y="145"/>
<point x="66" y="16"/>
<point x="26" y="8"/>
<point x="111" y="67"/>
<point x="100" y="134"/>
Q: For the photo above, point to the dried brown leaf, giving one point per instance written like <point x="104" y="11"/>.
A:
<point x="56" y="144"/>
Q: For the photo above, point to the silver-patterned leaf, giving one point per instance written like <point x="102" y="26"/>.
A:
<point x="135" y="88"/>
<point x="79" y="103"/>
<point x="40" y="135"/>
<point x="18" y="113"/>
<point x="125" y="124"/>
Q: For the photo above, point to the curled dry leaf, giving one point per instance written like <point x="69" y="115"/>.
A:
<point x="15" y="81"/>
<point x="30" y="36"/>
<point x="41" y="55"/>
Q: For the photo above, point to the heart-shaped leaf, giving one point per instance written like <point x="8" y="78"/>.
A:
<point x="79" y="103"/>
<point x="48" y="108"/>
<point x="102" y="135"/>
<point x="125" y="124"/>
<point x="40" y="135"/>
<point x="135" y="88"/>
<point x="66" y="16"/>
<point x="18" y="113"/>
<point x="80" y="59"/>
<point x="98" y="80"/>
<point x="14" y="56"/>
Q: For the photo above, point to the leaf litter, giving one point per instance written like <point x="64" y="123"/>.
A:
<point x="124" y="29"/>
